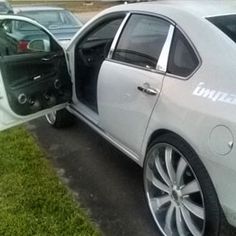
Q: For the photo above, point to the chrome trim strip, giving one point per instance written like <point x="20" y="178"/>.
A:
<point x="101" y="132"/>
<point x="163" y="59"/>
<point x="135" y="66"/>
<point x="149" y="13"/>
<point x="117" y="36"/>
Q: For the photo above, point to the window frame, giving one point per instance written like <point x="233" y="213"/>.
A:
<point x="90" y="27"/>
<point x="194" y="50"/>
<point x="161" y="66"/>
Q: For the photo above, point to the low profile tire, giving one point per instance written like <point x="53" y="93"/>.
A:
<point x="179" y="191"/>
<point x="60" y="119"/>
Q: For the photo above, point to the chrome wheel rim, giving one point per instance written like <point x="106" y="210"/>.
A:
<point x="51" y="117"/>
<point x="173" y="192"/>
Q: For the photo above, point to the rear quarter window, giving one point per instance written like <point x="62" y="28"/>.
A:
<point x="182" y="59"/>
<point x="226" y="23"/>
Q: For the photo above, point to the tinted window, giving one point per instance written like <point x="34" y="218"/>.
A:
<point x="142" y="40"/>
<point x="106" y="30"/>
<point x="23" y="41"/>
<point x="227" y="24"/>
<point x="182" y="60"/>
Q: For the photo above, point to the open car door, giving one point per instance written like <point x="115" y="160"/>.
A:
<point x="34" y="78"/>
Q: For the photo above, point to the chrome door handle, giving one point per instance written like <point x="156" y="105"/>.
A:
<point x="46" y="59"/>
<point x="148" y="90"/>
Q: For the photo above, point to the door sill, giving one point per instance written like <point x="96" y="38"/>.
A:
<point x="94" y="125"/>
<point x="85" y="111"/>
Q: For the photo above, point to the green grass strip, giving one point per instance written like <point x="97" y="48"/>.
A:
<point x="32" y="199"/>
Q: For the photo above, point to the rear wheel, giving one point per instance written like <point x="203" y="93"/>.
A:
<point x="60" y="119"/>
<point x="179" y="191"/>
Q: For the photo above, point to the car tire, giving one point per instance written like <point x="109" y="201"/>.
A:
<point x="178" y="189"/>
<point x="60" y="119"/>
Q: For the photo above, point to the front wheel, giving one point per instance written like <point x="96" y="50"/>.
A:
<point x="179" y="191"/>
<point x="60" y="119"/>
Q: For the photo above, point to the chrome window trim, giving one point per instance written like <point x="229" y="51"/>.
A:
<point x="148" y="13"/>
<point x="164" y="56"/>
<point x="135" y="66"/>
<point x="165" y="49"/>
<point x="117" y="36"/>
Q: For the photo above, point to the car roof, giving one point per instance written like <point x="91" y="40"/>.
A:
<point x="195" y="8"/>
<point x="190" y="17"/>
<point x="18" y="9"/>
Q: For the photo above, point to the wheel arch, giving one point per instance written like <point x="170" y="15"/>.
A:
<point x="157" y="133"/>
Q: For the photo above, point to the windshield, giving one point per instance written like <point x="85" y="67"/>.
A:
<point x="51" y="19"/>
<point x="3" y="7"/>
<point x="226" y="23"/>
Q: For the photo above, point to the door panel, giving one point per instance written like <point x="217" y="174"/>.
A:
<point x="129" y="83"/>
<point x="124" y="110"/>
<point x="34" y="78"/>
<point x="38" y="81"/>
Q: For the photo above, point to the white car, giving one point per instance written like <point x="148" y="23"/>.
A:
<point x="158" y="81"/>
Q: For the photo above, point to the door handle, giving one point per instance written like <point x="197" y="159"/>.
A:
<point x="46" y="59"/>
<point x="148" y="90"/>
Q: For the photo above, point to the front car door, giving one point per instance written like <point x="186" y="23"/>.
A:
<point x="131" y="79"/>
<point x="34" y="79"/>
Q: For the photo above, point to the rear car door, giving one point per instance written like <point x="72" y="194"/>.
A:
<point x="130" y="81"/>
<point x="34" y="79"/>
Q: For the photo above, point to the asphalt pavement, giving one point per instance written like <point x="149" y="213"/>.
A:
<point x="105" y="182"/>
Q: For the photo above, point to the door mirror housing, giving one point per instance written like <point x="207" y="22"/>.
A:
<point x="39" y="45"/>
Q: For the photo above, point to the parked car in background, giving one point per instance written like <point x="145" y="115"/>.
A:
<point x="155" y="79"/>
<point x="5" y="7"/>
<point x="60" y="22"/>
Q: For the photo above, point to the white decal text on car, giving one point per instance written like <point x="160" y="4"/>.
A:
<point x="214" y="95"/>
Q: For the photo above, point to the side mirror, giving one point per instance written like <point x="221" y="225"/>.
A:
<point x="39" y="45"/>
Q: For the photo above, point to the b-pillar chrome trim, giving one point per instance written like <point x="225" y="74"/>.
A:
<point x="116" y="38"/>
<point x="163" y="59"/>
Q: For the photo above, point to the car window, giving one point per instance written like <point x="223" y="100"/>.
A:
<point x="142" y="41"/>
<point x="106" y="30"/>
<point x="227" y="24"/>
<point x="53" y="19"/>
<point x="27" y="39"/>
<point x="182" y="60"/>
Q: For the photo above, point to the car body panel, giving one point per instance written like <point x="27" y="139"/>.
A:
<point x="124" y="110"/>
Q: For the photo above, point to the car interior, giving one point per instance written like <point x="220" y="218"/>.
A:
<point x="90" y="53"/>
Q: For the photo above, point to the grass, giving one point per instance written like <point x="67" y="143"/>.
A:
<point x="32" y="199"/>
